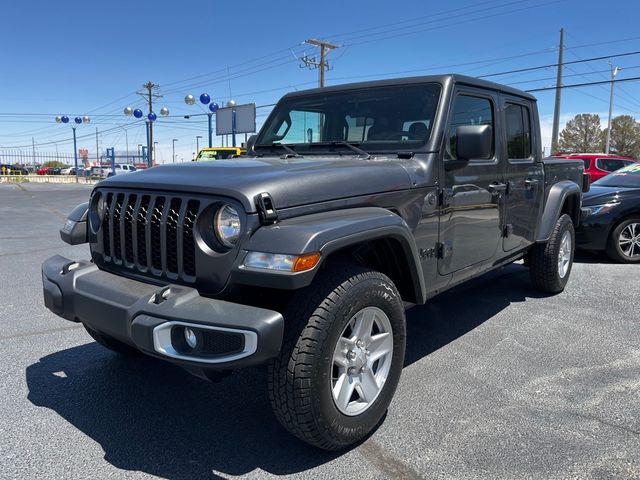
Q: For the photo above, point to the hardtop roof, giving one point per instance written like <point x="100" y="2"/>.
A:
<point x="442" y="79"/>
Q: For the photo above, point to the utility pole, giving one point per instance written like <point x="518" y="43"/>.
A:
<point x="312" y="62"/>
<point x="614" y="72"/>
<point x="33" y="144"/>
<point x="97" y="149"/>
<point x="149" y="96"/>
<point x="556" y="110"/>
<point x="173" y="150"/>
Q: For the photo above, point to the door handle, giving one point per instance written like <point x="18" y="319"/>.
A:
<point x="497" y="187"/>
<point x="529" y="183"/>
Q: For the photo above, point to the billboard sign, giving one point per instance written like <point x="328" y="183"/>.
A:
<point x="245" y="119"/>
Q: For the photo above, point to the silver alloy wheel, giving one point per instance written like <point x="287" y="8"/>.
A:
<point x="361" y="361"/>
<point x="629" y="240"/>
<point x="564" y="255"/>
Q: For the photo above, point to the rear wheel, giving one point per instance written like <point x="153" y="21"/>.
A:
<point x="341" y="359"/>
<point x="550" y="263"/>
<point x="624" y="242"/>
<point x="110" y="342"/>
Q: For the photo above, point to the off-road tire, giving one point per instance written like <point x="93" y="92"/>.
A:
<point x="299" y="380"/>
<point x="613" y="246"/>
<point x="543" y="258"/>
<point x="111" y="343"/>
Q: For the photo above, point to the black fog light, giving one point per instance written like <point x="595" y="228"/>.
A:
<point x="186" y="339"/>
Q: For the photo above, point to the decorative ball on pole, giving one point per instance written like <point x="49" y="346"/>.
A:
<point x="189" y="99"/>
<point x="137" y="113"/>
<point x="164" y="111"/>
<point x="86" y="119"/>
<point x="213" y="106"/>
<point x="128" y="111"/>
<point x="205" y="98"/>
<point x="152" y="117"/>
<point x="231" y="103"/>
<point x="65" y="119"/>
<point x="58" y="119"/>
<point x="78" y="120"/>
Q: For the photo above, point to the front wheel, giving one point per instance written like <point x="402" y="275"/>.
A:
<point x="624" y="242"/>
<point x="550" y="263"/>
<point x="341" y="359"/>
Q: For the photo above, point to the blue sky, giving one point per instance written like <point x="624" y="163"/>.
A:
<point x="77" y="58"/>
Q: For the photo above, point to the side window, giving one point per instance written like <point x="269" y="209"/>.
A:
<point x="468" y="110"/>
<point x="612" y="164"/>
<point x="518" y="131"/>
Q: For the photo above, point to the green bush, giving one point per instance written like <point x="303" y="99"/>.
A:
<point x="54" y="164"/>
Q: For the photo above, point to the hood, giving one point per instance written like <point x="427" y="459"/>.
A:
<point x="598" y="195"/>
<point x="290" y="182"/>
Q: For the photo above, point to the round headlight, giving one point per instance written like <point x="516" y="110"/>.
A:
<point x="101" y="207"/>
<point x="227" y="225"/>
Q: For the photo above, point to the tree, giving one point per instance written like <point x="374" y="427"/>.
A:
<point x="625" y="136"/>
<point x="582" y="134"/>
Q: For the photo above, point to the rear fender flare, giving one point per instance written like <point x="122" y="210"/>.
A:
<point x="556" y="199"/>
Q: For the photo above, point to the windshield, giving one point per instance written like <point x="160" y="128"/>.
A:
<point x="376" y="119"/>
<point x="628" y="176"/>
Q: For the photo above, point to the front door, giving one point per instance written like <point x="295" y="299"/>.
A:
<point x="473" y="196"/>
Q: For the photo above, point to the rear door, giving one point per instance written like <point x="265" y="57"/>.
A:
<point x="470" y="216"/>
<point x="523" y="173"/>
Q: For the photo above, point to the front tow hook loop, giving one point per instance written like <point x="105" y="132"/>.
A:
<point x="161" y="296"/>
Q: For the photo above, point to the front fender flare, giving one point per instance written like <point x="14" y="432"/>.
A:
<point x="327" y="232"/>
<point x="558" y="195"/>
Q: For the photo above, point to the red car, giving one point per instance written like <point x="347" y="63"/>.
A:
<point x="599" y="165"/>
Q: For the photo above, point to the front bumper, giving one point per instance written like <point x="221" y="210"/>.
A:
<point x="150" y="317"/>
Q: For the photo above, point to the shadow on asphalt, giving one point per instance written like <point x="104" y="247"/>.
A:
<point x="153" y="417"/>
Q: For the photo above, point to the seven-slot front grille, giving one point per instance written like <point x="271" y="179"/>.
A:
<point x="150" y="233"/>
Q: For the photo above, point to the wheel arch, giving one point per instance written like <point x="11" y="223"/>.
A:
<point x="373" y="237"/>
<point x="563" y="197"/>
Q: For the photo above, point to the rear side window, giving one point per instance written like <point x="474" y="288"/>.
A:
<point x="611" y="164"/>
<point x="469" y="110"/>
<point x="518" y="128"/>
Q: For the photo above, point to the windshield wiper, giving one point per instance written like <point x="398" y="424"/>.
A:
<point x="359" y="151"/>
<point x="290" y="151"/>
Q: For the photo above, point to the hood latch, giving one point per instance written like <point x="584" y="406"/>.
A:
<point x="266" y="210"/>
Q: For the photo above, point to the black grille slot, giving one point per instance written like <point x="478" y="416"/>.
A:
<point x="189" y="244"/>
<point x="156" y="233"/>
<point x="173" y="216"/>
<point x="141" y="224"/>
<point x="117" y="212"/>
<point x="129" y="217"/>
<point x="106" y="231"/>
<point x="150" y="234"/>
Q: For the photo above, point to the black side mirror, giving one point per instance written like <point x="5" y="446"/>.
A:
<point x="474" y="142"/>
<point x="251" y="141"/>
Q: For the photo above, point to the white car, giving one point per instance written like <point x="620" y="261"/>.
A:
<point x="121" y="168"/>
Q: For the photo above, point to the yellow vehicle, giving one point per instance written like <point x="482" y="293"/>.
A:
<point x="219" y="153"/>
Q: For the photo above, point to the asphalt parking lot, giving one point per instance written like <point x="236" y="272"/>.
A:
<point x="499" y="382"/>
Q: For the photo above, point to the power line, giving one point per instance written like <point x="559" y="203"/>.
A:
<point x="587" y="84"/>
<point x="551" y="65"/>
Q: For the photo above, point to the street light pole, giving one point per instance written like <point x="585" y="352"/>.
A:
<point x="77" y="121"/>
<point x="173" y="150"/>
<point x="198" y="137"/>
<point x="614" y="72"/>
<point x="205" y="99"/>
<point x="155" y="151"/>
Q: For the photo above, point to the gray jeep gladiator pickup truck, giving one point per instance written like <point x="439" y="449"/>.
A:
<point x="355" y="202"/>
